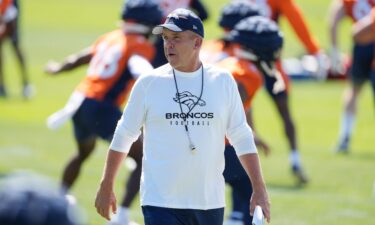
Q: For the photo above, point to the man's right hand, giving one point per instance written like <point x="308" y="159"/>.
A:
<point x="105" y="202"/>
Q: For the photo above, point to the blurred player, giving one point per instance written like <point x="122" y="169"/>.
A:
<point x="227" y="54"/>
<point x="362" y="64"/>
<point x="260" y="45"/>
<point x="9" y="16"/>
<point x="273" y="9"/>
<point x="115" y="60"/>
<point x="31" y="199"/>
<point x="168" y="6"/>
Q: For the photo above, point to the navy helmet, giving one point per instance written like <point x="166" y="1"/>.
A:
<point x="142" y="11"/>
<point x="235" y="11"/>
<point x="30" y="199"/>
<point x="260" y="36"/>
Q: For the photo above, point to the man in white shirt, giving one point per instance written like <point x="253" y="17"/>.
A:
<point x="186" y="110"/>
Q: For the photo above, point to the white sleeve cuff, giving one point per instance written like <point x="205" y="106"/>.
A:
<point x="243" y="140"/>
<point x="123" y="140"/>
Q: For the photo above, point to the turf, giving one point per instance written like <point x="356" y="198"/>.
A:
<point x="341" y="190"/>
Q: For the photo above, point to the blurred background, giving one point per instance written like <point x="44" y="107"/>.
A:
<point x="341" y="189"/>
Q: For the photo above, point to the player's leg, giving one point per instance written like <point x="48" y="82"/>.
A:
<point x="281" y="101"/>
<point x="359" y="74"/>
<point x="83" y="122"/>
<point x="3" y="35"/>
<point x="372" y="80"/>
<point x="3" y="92"/>
<point x="236" y="177"/>
<point x="74" y="165"/>
<point x="27" y="89"/>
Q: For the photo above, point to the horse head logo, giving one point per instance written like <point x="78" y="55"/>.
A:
<point x="188" y="99"/>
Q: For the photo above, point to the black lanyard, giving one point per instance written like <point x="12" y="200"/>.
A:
<point x="191" y="144"/>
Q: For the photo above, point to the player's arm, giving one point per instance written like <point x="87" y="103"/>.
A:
<point x="294" y="16"/>
<point x="138" y="65"/>
<point x="70" y="62"/>
<point x="364" y="29"/>
<point x="337" y="13"/>
<point x="200" y="9"/>
<point x="259" y="142"/>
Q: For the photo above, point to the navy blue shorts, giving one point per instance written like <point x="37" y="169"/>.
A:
<point x="95" y="118"/>
<point x="169" y="216"/>
<point x="362" y="70"/>
<point x="269" y="82"/>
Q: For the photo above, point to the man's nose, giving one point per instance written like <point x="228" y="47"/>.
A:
<point x="169" y="43"/>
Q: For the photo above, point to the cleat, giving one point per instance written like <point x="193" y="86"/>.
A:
<point x="299" y="174"/>
<point x="28" y="91"/>
<point x="3" y="93"/>
<point x="343" y="146"/>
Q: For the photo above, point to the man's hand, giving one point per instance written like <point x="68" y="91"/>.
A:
<point x="261" y="198"/>
<point x="262" y="145"/>
<point x="105" y="201"/>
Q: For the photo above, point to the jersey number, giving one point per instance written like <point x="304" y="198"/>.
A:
<point x="106" y="61"/>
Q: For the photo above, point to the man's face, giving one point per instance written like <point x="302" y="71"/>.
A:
<point x="180" y="48"/>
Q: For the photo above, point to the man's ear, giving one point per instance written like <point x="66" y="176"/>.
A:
<point x="198" y="42"/>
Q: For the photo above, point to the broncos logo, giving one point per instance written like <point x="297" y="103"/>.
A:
<point x="188" y="99"/>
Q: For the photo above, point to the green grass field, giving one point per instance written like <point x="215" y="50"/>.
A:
<point x="342" y="188"/>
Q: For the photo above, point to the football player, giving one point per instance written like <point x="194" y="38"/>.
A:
<point x="115" y="60"/>
<point x="362" y="64"/>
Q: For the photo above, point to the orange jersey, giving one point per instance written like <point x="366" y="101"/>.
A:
<point x="4" y="4"/>
<point x="214" y="51"/>
<point x="246" y="75"/>
<point x="107" y="75"/>
<point x="357" y="9"/>
<point x="275" y="8"/>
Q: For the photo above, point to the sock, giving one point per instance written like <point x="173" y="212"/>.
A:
<point x="236" y="215"/>
<point x="294" y="158"/>
<point x="122" y="214"/>
<point x="347" y="124"/>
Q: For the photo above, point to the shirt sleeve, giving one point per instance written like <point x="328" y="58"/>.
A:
<point x="238" y="132"/>
<point x="129" y="126"/>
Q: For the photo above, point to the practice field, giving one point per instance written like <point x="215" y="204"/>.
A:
<point x="342" y="187"/>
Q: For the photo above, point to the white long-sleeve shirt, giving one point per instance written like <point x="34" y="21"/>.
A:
<point x="172" y="175"/>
